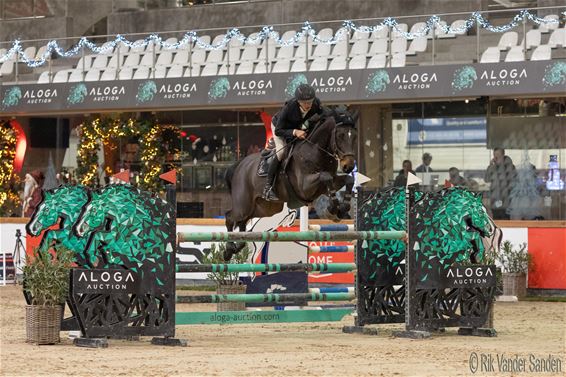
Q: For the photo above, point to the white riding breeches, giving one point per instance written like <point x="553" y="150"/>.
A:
<point x="279" y="144"/>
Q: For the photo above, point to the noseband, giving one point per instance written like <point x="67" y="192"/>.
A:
<point x="338" y="153"/>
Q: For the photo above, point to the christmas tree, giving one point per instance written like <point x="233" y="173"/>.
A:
<point x="9" y="181"/>
<point x="526" y="201"/>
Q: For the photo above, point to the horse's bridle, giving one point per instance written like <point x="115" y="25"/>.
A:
<point x="338" y="154"/>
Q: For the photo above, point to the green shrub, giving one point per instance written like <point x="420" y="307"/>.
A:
<point x="514" y="260"/>
<point x="216" y="256"/>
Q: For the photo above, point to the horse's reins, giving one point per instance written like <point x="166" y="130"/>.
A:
<point x="338" y="154"/>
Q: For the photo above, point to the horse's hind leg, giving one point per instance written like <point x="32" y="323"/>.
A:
<point x="233" y="248"/>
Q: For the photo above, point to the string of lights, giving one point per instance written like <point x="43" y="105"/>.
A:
<point x="268" y="32"/>
<point x="9" y="181"/>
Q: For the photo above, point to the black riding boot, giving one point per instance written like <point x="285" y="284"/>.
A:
<point x="268" y="193"/>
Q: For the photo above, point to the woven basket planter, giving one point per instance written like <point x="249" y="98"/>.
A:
<point x="231" y="289"/>
<point x="43" y="324"/>
<point x="515" y="284"/>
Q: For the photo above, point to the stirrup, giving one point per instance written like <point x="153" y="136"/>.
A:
<point x="269" y="194"/>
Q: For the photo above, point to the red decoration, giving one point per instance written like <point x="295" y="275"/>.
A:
<point x="123" y="176"/>
<point x="266" y="119"/>
<point x="170" y="176"/>
<point x="21" y="146"/>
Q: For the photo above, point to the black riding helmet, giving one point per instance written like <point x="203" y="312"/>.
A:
<point x="305" y="92"/>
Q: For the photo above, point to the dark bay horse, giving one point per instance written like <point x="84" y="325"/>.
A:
<point x="310" y="172"/>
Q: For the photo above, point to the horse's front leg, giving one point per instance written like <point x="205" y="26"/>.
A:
<point x="347" y="181"/>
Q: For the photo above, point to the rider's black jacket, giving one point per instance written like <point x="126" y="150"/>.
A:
<point x="289" y="118"/>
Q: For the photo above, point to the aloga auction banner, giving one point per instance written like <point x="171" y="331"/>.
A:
<point x="365" y="85"/>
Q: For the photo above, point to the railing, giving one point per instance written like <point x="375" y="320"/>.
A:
<point x="371" y="43"/>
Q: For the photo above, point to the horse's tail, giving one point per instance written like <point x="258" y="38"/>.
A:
<point x="230" y="173"/>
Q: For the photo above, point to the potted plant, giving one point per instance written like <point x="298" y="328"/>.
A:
<point x="227" y="282"/>
<point x="46" y="285"/>
<point x="515" y="265"/>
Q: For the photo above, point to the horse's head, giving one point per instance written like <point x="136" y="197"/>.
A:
<point x="345" y="138"/>
<point x="45" y="215"/>
<point x="92" y="216"/>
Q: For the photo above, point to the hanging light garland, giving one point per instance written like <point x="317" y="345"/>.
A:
<point x="9" y="181"/>
<point x="267" y="32"/>
<point x="155" y="144"/>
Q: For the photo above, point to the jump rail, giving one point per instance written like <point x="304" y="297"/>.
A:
<point x="268" y="297"/>
<point x="279" y="267"/>
<point x="290" y="236"/>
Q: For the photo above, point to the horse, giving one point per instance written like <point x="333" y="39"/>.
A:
<point x="61" y="205"/>
<point x="309" y="172"/>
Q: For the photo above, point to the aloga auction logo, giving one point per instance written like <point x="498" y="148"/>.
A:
<point x="377" y="82"/>
<point x="464" y="78"/>
<point x="146" y="91"/>
<point x="77" y="94"/>
<point x="12" y="97"/>
<point x="293" y="82"/>
<point x="218" y="88"/>
<point x="554" y="74"/>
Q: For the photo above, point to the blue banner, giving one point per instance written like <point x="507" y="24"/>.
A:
<point x="447" y="131"/>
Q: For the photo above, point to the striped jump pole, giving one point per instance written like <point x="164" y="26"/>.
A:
<point x="332" y="227"/>
<point x="267" y="297"/>
<point x="332" y="290"/>
<point x="289" y="236"/>
<point x="272" y="267"/>
<point x="331" y="249"/>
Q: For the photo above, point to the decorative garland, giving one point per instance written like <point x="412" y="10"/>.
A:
<point x="155" y="145"/>
<point x="9" y="181"/>
<point x="476" y="18"/>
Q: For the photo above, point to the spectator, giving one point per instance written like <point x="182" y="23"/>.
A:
<point x="500" y="174"/>
<point x="401" y="179"/>
<point x="425" y="166"/>
<point x="32" y="192"/>
<point x="455" y="178"/>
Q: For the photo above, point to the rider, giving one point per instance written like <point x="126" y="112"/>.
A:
<point x="290" y="123"/>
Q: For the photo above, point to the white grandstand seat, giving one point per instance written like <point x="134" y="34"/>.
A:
<point x="175" y="71"/>
<point x="170" y="41"/>
<point x="140" y="47"/>
<point x="160" y="72"/>
<point x="123" y="48"/>
<point x="382" y="33"/>
<point x="93" y="74"/>
<point x="398" y="45"/>
<point x="202" y="41"/>
<point x="359" y="35"/>
<point x="341" y="48"/>
<point x="2" y="51"/>
<point x="545" y="28"/>
<point x="440" y="31"/>
<point x="262" y="68"/>
<point x="115" y="61"/>
<point x="542" y="52"/>
<point x="268" y="50"/>
<point x="87" y="59"/>
<point x="198" y="55"/>
<point x="215" y="56"/>
<point x="7" y="68"/>
<point x="398" y="59"/>
<point x="319" y="64"/>
<point x="147" y="60"/>
<point x="557" y="38"/>
<point x="299" y="66"/>
<point x="29" y="52"/>
<point x="458" y="27"/>
<point x="218" y="40"/>
<point x="402" y="28"/>
<point x="358" y="62"/>
<point x="210" y="69"/>
<point x="281" y="66"/>
<point x="533" y="38"/>
<point x="325" y="34"/>
<point x="490" y="55"/>
<point x="126" y="73"/>
<point x="108" y="75"/>
<point x="288" y="35"/>
<point x="133" y="60"/>
<point x="43" y="78"/>
<point x="321" y="49"/>
<point x="376" y="61"/>
<point x="515" y="54"/>
<point x="62" y="76"/>
<point x="342" y="34"/>
<point x="285" y="52"/>
<point x="508" y="40"/>
<point x="359" y="48"/>
<point x="249" y="54"/>
<point x="181" y="58"/>
<point x="379" y="46"/>
<point x="164" y="58"/>
<point x="417" y="45"/>
<point x="245" y="68"/>
<point x="193" y="71"/>
<point x="418" y="27"/>
<point x="234" y="49"/>
<point x="39" y="53"/>
<point x="76" y="76"/>
<point x="338" y="63"/>
<point x="141" y="73"/>
<point x="301" y="50"/>
<point x="100" y="62"/>
<point x="150" y="45"/>
<point x="227" y="69"/>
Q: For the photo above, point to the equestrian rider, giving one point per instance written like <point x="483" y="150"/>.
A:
<point x="291" y="123"/>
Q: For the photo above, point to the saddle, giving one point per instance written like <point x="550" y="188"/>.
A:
<point x="268" y="154"/>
